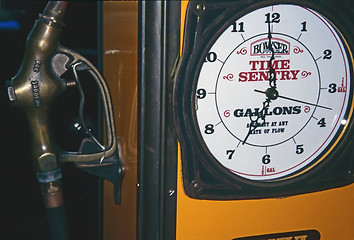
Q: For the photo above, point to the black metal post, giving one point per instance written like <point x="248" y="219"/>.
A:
<point x="159" y="27"/>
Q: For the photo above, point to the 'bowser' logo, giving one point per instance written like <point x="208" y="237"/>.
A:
<point x="261" y="47"/>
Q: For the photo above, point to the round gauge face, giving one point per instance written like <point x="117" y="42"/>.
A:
<point x="273" y="96"/>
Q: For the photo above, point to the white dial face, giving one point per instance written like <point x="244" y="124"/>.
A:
<point x="268" y="112"/>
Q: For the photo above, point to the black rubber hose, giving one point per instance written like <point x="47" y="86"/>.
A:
<point x="57" y="223"/>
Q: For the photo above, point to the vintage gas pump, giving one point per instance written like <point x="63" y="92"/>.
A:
<point x="235" y="117"/>
<point x="262" y="107"/>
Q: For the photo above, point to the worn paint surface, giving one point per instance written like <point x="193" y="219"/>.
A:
<point x="120" y="42"/>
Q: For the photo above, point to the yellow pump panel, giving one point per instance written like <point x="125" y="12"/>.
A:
<point x="120" y="29"/>
<point x="329" y="212"/>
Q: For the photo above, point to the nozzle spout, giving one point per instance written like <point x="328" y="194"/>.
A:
<point x="55" y="11"/>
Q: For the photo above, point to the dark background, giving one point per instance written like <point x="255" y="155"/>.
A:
<point x="22" y="215"/>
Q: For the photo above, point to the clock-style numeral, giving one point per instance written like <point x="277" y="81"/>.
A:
<point x="299" y="149"/>
<point x="211" y="57"/>
<point x="266" y="159"/>
<point x="304" y="27"/>
<point x="327" y="54"/>
<point x="322" y="122"/>
<point x="274" y="18"/>
<point x="201" y="93"/>
<point x="332" y="88"/>
<point x="238" y="27"/>
<point x="209" y="129"/>
<point x="230" y="153"/>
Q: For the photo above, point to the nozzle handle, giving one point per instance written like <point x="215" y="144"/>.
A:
<point x="111" y="148"/>
<point x="94" y="158"/>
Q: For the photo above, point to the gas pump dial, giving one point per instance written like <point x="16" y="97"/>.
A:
<point x="263" y="99"/>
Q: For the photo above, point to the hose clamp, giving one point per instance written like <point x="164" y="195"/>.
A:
<point x="49" y="176"/>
